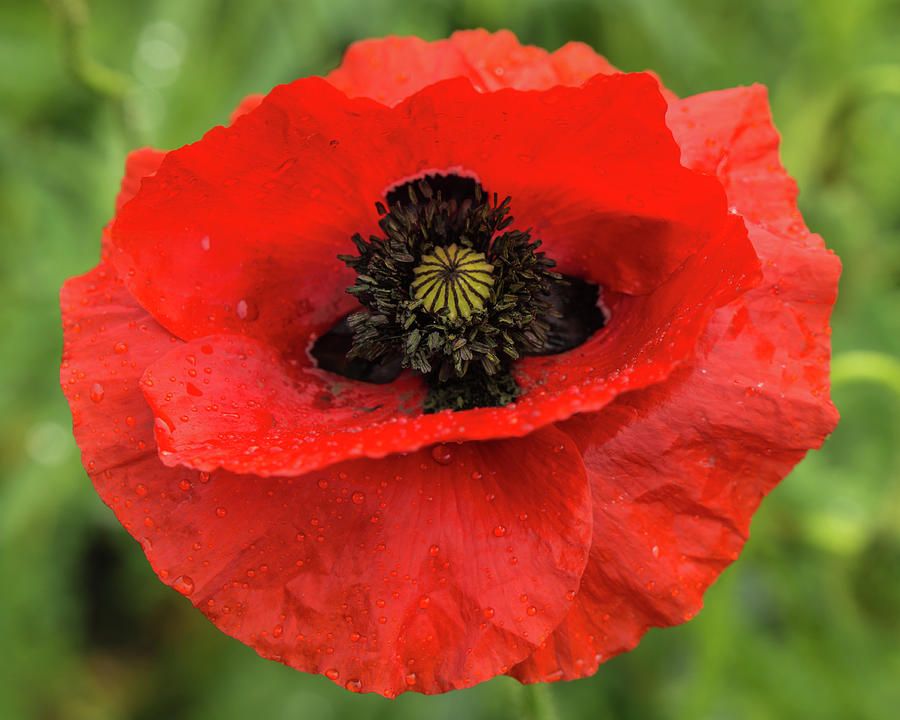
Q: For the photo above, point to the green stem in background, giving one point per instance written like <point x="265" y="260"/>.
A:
<point x="881" y="369"/>
<point x="534" y="701"/>
<point x="110" y="84"/>
<point x="866" y="366"/>
<point x="855" y="92"/>
<point x="73" y="18"/>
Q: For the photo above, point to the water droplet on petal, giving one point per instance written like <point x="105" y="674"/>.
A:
<point x="120" y="348"/>
<point x="489" y="612"/>
<point x="410" y="679"/>
<point x="332" y="674"/>
<point x="358" y="498"/>
<point x="442" y="454"/>
<point x="499" y="531"/>
<point x="424" y="602"/>
<point x="221" y="512"/>
<point x="433" y="550"/>
<point x="247" y="310"/>
<point x="183" y="584"/>
<point x="96" y="392"/>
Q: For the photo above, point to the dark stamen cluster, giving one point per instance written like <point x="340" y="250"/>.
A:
<point x="437" y="338"/>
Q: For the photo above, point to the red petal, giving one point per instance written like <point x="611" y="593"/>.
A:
<point x="576" y="62"/>
<point x="109" y="340"/>
<point x="139" y="164"/>
<point x="229" y="401"/>
<point x="390" y="69"/>
<point x="258" y="212"/>
<point x="730" y="133"/>
<point x="393" y="68"/>
<point x="429" y="571"/>
<point x="499" y="61"/>
<point x="251" y="102"/>
<point x="267" y="267"/>
<point x="677" y="470"/>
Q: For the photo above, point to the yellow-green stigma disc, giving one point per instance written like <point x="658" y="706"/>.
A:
<point x="453" y="277"/>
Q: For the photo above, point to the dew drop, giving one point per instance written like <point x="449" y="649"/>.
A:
<point x="531" y="611"/>
<point x="433" y="550"/>
<point x="442" y="454"/>
<point x="354" y="685"/>
<point x="183" y="584"/>
<point x="410" y="679"/>
<point x="204" y="242"/>
<point x="332" y="674"/>
<point x="499" y="531"/>
<point x="489" y="612"/>
<point x="424" y="602"/>
<point x="221" y="512"/>
<point x="247" y="310"/>
<point x="96" y="392"/>
<point x="120" y="348"/>
<point x="140" y="489"/>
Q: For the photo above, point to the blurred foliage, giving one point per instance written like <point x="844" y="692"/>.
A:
<point x="805" y="625"/>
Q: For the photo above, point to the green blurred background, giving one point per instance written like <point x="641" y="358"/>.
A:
<point x="805" y="625"/>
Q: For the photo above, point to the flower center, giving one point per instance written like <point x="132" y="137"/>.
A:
<point x="450" y="292"/>
<point x="453" y="281"/>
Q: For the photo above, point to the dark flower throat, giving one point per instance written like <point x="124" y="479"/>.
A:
<point x="452" y="293"/>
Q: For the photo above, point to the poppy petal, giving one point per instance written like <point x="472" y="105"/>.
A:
<point x="437" y="570"/>
<point x="251" y="102"/>
<point x="139" y="164"/>
<point x="391" y="69"/>
<point x="206" y="259"/>
<point x="229" y="401"/>
<point x="259" y="211"/>
<point x="678" y="469"/>
<point x="576" y="62"/>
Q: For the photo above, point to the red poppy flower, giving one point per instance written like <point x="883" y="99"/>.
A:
<point x="330" y="523"/>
